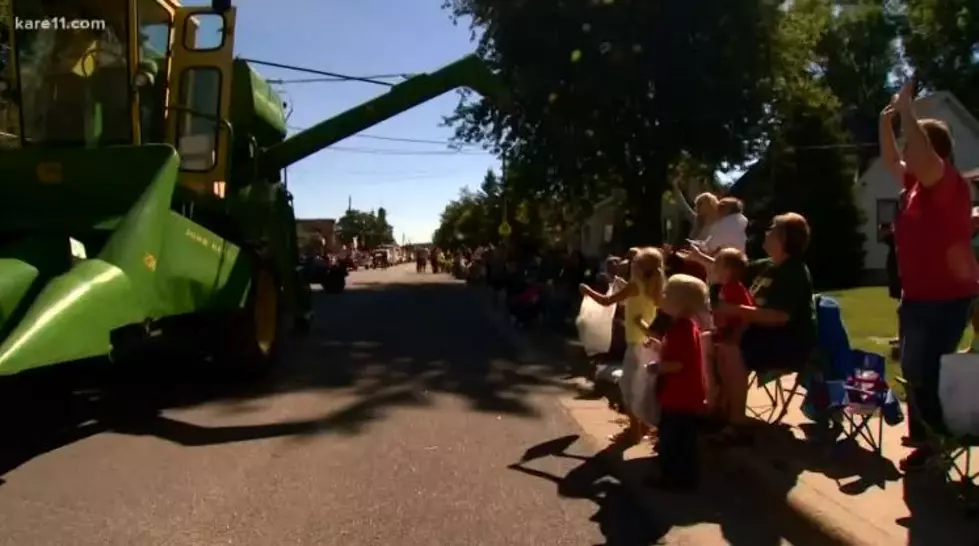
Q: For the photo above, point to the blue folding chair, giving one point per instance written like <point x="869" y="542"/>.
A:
<point x="833" y="348"/>
<point x="869" y="400"/>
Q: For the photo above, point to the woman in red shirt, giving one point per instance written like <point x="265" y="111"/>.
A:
<point x="936" y="263"/>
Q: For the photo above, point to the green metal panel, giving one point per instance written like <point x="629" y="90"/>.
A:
<point x="198" y="270"/>
<point x="154" y="263"/>
<point x="16" y="279"/>
<point x="77" y="188"/>
<point x="256" y="109"/>
<point x="71" y="318"/>
<point x="466" y="72"/>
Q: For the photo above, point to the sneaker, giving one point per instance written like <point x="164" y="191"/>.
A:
<point x="917" y="460"/>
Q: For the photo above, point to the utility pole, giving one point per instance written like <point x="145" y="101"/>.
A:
<point x="350" y="203"/>
<point x="504" y="229"/>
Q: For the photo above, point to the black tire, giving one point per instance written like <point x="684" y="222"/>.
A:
<point x="255" y="345"/>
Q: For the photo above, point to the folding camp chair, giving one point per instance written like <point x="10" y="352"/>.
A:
<point x="780" y="387"/>
<point x="865" y="395"/>
<point x="954" y="451"/>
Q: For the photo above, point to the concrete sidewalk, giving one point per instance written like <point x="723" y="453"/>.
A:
<point x="842" y="495"/>
<point x="849" y="492"/>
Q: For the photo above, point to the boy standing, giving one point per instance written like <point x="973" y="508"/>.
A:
<point x="681" y="389"/>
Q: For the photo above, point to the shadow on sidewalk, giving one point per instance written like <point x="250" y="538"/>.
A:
<point x="936" y="517"/>
<point x="624" y="522"/>
<point x="853" y="468"/>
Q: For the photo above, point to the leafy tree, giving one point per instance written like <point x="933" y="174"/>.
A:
<point x="371" y="229"/>
<point x="474" y="218"/>
<point x="858" y="54"/>
<point x="941" y="42"/>
<point x="612" y="93"/>
<point x="808" y="167"/>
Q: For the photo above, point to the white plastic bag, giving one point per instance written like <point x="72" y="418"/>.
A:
<point x="594" y="325"/>
<point x="957" y="388"/>
<point x="645" y="405"/>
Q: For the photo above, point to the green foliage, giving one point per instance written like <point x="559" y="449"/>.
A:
<point x="809" y="167"/>
<point x="613" y="92"/>
<point x="370" y="228"/>
<point x="858" y="54"/>
<point x="474" y="218"/>
<point x="816" y="180"/>
<point x="941" y="42"/>
<point x="623" y="95"/>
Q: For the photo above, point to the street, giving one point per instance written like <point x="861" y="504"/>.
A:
<point x="399" y="420"/>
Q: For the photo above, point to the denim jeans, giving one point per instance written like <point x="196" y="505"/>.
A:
<point x="928" y="330"/>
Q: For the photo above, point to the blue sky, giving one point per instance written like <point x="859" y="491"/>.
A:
<point x="366" y="37"/>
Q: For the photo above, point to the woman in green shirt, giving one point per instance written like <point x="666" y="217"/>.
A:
<point x="781" y="325"/>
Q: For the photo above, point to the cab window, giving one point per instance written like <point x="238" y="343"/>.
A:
<point x="73" y="67"/>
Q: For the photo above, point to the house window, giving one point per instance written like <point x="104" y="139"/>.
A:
<point x="886" y="211"/>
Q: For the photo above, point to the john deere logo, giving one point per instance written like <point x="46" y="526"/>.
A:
<point x="149" y="261"/>
<point x="49" y="173"/>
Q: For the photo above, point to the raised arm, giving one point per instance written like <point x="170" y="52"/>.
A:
<point x="618" y="296"/>
<point x="889" y="153"/>
<point x="685" y="207"/>
<point x="919" y="156"/>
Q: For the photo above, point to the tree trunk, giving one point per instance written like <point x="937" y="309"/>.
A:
<point x="644" y="208"/>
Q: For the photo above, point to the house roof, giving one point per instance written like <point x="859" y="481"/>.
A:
<point x="741" y="186"/>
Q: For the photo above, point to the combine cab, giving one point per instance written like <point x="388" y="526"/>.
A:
<point x="141" y="201"/>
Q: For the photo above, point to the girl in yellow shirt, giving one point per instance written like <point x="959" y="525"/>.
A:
<point x="641" y="296"/>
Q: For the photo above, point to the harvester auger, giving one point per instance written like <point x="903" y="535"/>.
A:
<point x="141" y="197"/>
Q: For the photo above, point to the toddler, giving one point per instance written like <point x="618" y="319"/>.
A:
<point x="729" y="269"/>
<point x="680" y="387"/>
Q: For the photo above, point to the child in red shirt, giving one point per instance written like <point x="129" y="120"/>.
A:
<point x="730" y="265"/>
<point x="680" y="389"/>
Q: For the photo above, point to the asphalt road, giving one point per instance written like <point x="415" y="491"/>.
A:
<point x="394" y="422"/>
<point x="401" y="419"/>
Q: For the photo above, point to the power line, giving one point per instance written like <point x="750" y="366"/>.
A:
<point x="341" y="77"/>
<point x="401" y="139"/>
<point x="414" y="140"/>
<point x="382" y="151"/>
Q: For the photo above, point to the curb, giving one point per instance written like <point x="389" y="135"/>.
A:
<point x="809" y="509"/>
<point x="820" y="518"/>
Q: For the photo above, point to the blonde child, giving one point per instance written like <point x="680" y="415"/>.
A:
<point x="641" y="295"/>
<point x="680" y="386"/>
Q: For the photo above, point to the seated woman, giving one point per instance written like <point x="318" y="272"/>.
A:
<point x="781" y="326"/>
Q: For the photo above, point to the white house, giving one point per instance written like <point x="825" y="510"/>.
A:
<point x="877" y="191"/>
<point x="595" y="234"/>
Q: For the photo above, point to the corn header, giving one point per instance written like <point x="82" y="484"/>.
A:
<point x="141" y="197"/>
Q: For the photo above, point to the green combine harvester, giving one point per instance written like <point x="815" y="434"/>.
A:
<point x="141" y="198"/>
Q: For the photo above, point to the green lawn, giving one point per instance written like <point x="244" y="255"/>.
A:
<point x="871" y="320"/>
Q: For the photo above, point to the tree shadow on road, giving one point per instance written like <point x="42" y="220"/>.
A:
<point x="377" y="348"/>
<point x="624" y="515"/>
<point x="618" y="517"/>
